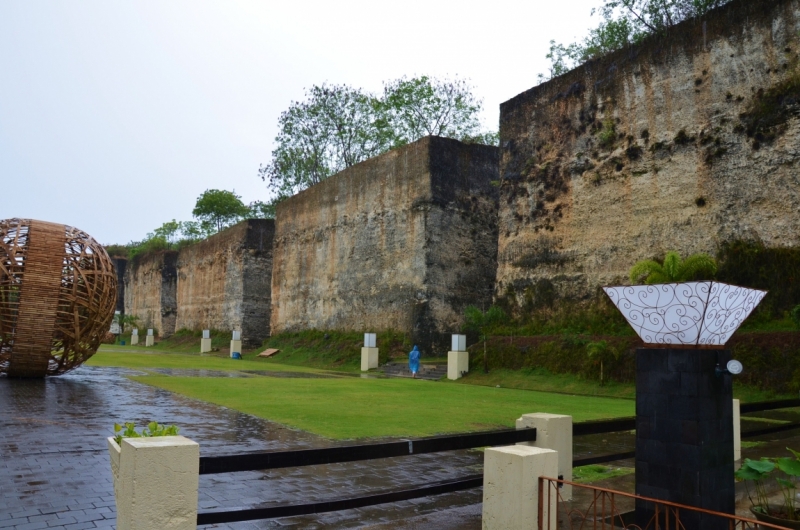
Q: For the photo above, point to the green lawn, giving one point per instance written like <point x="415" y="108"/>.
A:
<point x="122" y="356"/>
<point x="346" y="408"/>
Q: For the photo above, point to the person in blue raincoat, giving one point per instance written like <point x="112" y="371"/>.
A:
<point x="413" y="361"/>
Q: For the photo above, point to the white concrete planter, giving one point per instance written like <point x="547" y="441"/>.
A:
<point x="114" y="452"/>
<point x="155" y="482"/>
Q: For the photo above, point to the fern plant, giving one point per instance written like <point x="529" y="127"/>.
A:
<point x="674" y="269"/>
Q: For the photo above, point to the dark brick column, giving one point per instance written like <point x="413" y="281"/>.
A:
<point x="684" y="433"/>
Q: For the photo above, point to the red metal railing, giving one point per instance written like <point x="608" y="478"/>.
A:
<point x="600" y="508"/>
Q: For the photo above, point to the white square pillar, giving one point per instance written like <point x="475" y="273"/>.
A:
<point x="553" y="431"/>
<point x="457" y="364"/>
<point x="149" y="340"/>
<point x="205" y="342"/>
<point x="134" y="339"/>
<point x="155" y="482"/>
<point x="737" y="431"/>
<point x="369" y="358"/>
<point x="511" y="487"/>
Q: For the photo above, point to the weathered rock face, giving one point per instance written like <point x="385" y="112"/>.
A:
<point x="119" y="265"/>
<point x="684" y="142"/>
<point x="224" y="281"/>
<point x="150" y="291"/>
<point x="403" y="241"/>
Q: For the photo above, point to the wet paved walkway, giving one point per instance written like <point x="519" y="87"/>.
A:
<point x="55" y="471"/>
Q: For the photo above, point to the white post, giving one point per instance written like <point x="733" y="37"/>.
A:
<point x="737" y="431"/>
<point x="150" y="339"/>
<point x="134" y="337"/>
<point x="236" y="343"/>
<point x="553" y="431"/>
<point x="369" y="353"/>
<point x="155" y="482"/>
<point x="511" y="487"/>
<point x="457" y="358"/>
<point x="205" y="342"/>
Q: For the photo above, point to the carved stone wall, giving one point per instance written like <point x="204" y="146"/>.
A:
<point x="151" y="291"/>
<point x="681" y="143"/>
<point x="403" y="241"/>
<point x="224" y="281"/>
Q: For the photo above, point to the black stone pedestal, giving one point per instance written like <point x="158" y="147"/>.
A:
<point x="684" y="433"/>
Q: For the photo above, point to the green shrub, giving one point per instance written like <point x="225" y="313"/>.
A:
<point x="776" y="270"/>
<point x="153" y="429"/>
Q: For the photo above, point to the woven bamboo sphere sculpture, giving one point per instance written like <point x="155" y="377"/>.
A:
<point x="58" y="290"/>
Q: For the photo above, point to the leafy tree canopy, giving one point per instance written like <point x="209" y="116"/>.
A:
<point x="624" y="22"/>
<point x="217" y="209"/>
<point x="337" y="126"/>
<point x="674" y="269"/>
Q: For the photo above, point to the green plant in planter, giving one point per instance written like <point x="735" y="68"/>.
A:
<point x="153" y="429"/>
<point x="759" y="470"/>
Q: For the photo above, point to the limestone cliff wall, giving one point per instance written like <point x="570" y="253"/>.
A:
<point x="119" y="266"/>
<point x="150" y="291"/>
<point x="684" y="142"/>
<point x="224" y="281"/>
<point x="402" y="241"/>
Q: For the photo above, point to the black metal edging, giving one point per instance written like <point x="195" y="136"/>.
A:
<point x="603" y="426"/>
<point x="352" y="453"/>
<point x="770" y="430"/>
<point x="744" y="408"/>
<point x="272" y="512"/>
<point x="602" y="459"/>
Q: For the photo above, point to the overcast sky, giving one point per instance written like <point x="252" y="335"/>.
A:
<point x="115" y="116"/>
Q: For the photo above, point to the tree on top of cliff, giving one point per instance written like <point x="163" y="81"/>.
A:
<point x="624" y="22"/>
<point x="217" y="209"/>
<point x="674" y="269"/>
<point x="423" y="106"/>
<point x="337" y="126"/>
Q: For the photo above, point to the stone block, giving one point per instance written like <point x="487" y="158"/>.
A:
<point x="205" y="345"/>
<point x="134" y="340"/>
<point x="149" y="340"/>
<point x="155" y="482"/>
<point x="236" y="346"/>
<point x="369" y="358"/>
<point x="553" y="431"/>
<point x="457" y="364"/>
<point x="511" y="487"/>
<point x="684" y="436"/>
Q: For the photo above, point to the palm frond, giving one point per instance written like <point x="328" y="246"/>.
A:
<point x="644" y="269"/>
<point x="698" y="267"/>
<point x="672" y="265"/>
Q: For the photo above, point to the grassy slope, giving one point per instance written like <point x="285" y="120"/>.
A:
<point x="527" y="379"/>
<point x="345" y="408"/>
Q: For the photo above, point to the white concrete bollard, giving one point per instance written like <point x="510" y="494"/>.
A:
<point x="369" y="358"/>
<point x="511" y="487"/>
<point x="457" y="358"/>
<point x="737" y="431"/>
<point x="205" y="342"/>
<point x="236" y="343"/>
<point x="134" y="337"/>
<point x="457" y="364"/>
<point x="155" y="482"/>
<point x="369" y="352"/>
<point x="150" y="339"/>
<point x="553" y="431"/>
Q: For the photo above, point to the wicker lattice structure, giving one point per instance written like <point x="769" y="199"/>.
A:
<point x="58" y="289"/>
